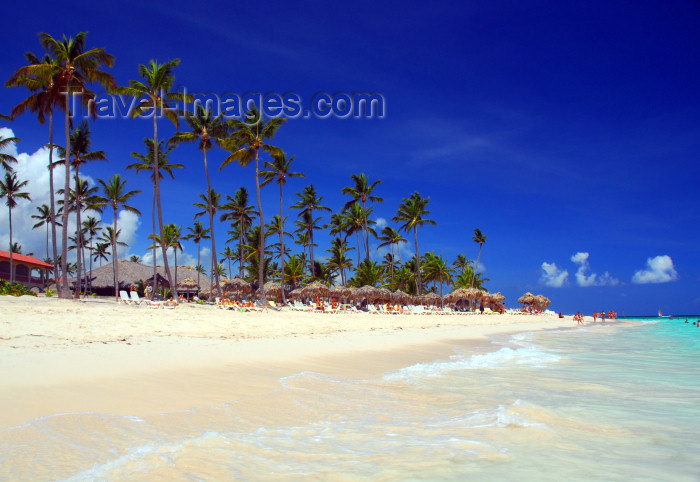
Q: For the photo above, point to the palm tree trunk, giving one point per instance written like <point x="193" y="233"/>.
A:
<point x="78" y="233"/>
<point x="261" y="255"/>
<point x="65" y="292"/>
<point x="153" y="219"/>
<point x="419" y="285"/>
<point x="211" y="228"/>
<point x="357" y="232"/>
<point x="115" y="258"/>
<point x="240" y="247"/>
<point x="477" y="264"/>
<point x="199" y="250"/>
<point x="173" y="288"/>
<point x="12" y="266"/>
<point x="366" y="232"/>
<point x="53" y="203"/>
<point x="284" y="298"/>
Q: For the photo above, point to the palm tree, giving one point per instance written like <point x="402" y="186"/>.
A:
<point x="170" y="240"/>
<point x="80" y="147"/>
<point x="390" y="261"/>
<point x="369" y="273"/>
<point x="276" y="226"/>
<point x="46" y="95"/>
<point x="11" y="189"/>
<point x="309" y="201"/>
<point x="115" y="195"/>
<point x="82" y="198"/>
<point x="339" y="260"/>
<point x="154" y="92"/>
<point x="197" y="233"/>
<point x="279" y="170"/>
<point x="6" y="159"/>
<point x="245" y="143"/>
<point x="204" y="127"/>
<point x="134" y="258"/>
<point x="43" y="218"/>
<point x="91" y="228"/>
<point x="361" y="192"/>
<point x="228" y="254"/>
<point x="479" y="238"/>
<point x="411" y="213"/>
<point x="436" y="269"/>
<point x="294" y="271"/>
<point x="461" y="263"/>
<point x="101" y="252"/>
<point x="354" y="218"/>
<point x="391" y="237"/>
<point x="242" y="214"/>
<point x="73" y="68"/>
<point x="464" y="279"/>
<point x="148" y="163"/>
<point x="209" y="205"/>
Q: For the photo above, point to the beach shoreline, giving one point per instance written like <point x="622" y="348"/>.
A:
<point x="95" y="356"/>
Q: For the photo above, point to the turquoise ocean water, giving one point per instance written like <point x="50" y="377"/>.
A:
<point x="619" y="401"/>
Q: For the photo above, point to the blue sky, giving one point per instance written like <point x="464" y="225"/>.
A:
<point x="556" y="129"/>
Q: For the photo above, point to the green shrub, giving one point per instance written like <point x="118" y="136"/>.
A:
<point x="49" y="293"/>
<point x="14" y="289"/>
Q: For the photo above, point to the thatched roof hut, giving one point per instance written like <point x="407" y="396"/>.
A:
<point x="315" y="289"/>
<point x="132" y="272"/>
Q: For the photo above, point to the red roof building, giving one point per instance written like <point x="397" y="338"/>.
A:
<point x="29" y="270"/>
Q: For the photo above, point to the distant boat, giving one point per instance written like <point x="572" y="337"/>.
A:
<point x="661" y="315"/>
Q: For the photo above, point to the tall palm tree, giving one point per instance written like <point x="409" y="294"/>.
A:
<point x="43" y="218"/>
<point x="154" y="92"/>
<point x="279" y="170"/>
<point x="390" y="261"/>
<point x="209" y="205"/>
<point x="197" y="233"/>
<point x="148" y="163"/>
<point x="115" y="195"/>
<point x="361" y="192"/>
<point x="369" y="273"/>
<point x="82" y="198"/>
<point x="354" y="219"/>
<point x="80" y="144"/>
<point x="228" y="254"/>
<point x="411" y="213"/>
<point x="91" y="228"/>
<point x="244" y="143"/>
<point x="242" y="214"/>
<point x="294" y="271"/>
<point x="204" y="128"/>
<point x="101" y="252"/>
<point x="73" y="69"/>
<point x="46" y="95"/>
<point x="11" y="189"/>
<point x="309" y="201"/>
<point x="479" y="238"/>
<point x="276" y="226"/>
<point x="391" y="237"/>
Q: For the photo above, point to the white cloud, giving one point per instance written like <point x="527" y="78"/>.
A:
<point x="659" y="270"/>
<point x="33" y="168"/>
<point x="553" y="276"/>
<point x="593" y="279"/>
<point x="381" y="222"/>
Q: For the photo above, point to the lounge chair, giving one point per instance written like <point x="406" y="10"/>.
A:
<point x="125" y="298"/>
<point x="135" y="298"/>
<point x="153" y="304"/>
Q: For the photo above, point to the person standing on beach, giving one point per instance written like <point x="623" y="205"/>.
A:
<point x="481" y="306"/>
<point x="594" y="316"/>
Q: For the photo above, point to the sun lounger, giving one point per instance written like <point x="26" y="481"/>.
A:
<point x="135" y="298"/>
<point x="153" y="304"/>
<point x="124" y="297"/>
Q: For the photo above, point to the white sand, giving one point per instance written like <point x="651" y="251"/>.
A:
<point x="65" y="356"/>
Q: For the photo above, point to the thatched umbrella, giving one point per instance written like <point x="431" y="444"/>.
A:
<point x="432" y="299"/>
<point x="340" y="292"/>
<point x="272" y="289"/>
<point x="384" y="295"/>
<point x="494" y="301"/>
<point x="236" y="285"/>
<point x="541" y="302"/>
<point x="315" y="289"/>
<point x="368" y="293"/>
<point x="295" y="294"/>
<point x="527" y="299"/>
<point x="187" y="286"/>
